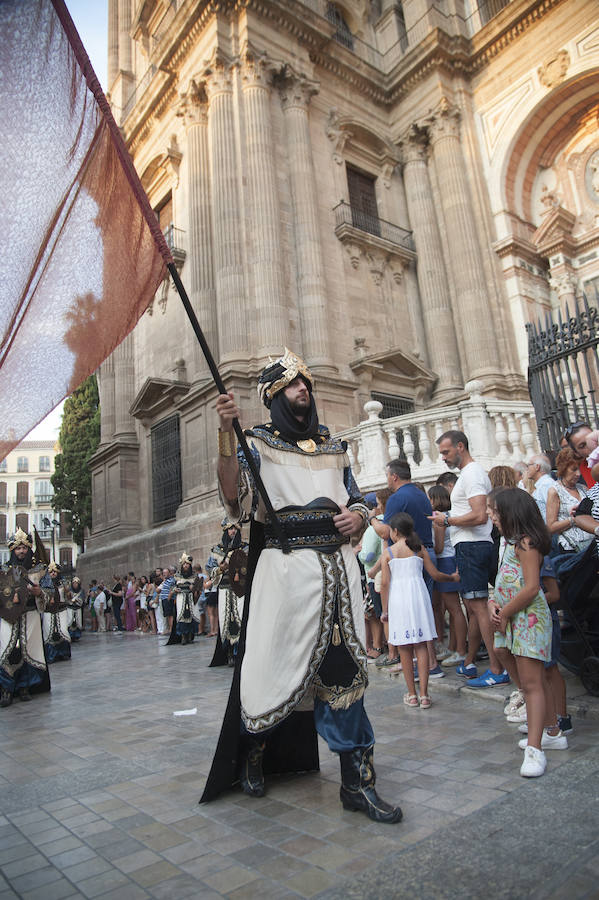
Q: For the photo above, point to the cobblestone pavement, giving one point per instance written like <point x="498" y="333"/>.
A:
<point x="99" y="784"/>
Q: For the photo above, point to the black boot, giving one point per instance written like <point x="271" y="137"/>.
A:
<point x="24" y="695"/>
<point x="251" y="775"/>
<point x="5" y="697"/>
<point x="357" y="787"/>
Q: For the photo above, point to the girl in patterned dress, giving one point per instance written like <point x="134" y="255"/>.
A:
<point x="520" y="612"/>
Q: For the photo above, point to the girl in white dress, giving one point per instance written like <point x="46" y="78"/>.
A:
<point x="406" y="603"/>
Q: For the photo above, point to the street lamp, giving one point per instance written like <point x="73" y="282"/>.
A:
<point x="53" y="525"/>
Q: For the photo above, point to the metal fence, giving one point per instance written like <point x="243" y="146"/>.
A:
<point x="345" y="214"/>
<point x="166" y="469"/>
<point x="563" y="371"/>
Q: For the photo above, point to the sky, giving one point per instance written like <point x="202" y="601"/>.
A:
<point x="91" y="20"/>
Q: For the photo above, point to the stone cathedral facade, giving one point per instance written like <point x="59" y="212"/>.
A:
<point x="391" y="189"/>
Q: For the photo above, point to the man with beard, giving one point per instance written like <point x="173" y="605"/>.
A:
<point x="301" y="663"/>
<point x="230" y="600"/>
<point x="23" y="668"/>
<point x="186" y="590"/>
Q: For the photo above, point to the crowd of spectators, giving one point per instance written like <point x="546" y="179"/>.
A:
<point x="512" y="535"/>
<point x="142" y="603"/>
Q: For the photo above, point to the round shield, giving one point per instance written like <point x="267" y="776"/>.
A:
<point x="13" y="595"/>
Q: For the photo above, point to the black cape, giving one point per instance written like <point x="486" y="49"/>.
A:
<point x="291" y="747"/>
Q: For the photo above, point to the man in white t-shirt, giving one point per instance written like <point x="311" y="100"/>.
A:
<point x="100" y="607"/>
<point x="471" y="538"/>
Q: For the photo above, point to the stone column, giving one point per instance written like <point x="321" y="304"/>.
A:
<point x="296" y="92"/>
<point x="476" y="331"/>
<point x="124" y="385"/>
<point x="226" y="213"/>
<point x="124" y="24"/>
<point x="105" y="376"/>
<point x="113" y="41"/>
<point x="266" y="263"/>
<point x="194" y="110"/>
<point x="442" y="347"/>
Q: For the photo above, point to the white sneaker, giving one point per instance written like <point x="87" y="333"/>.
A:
<point x="523" y="729"/>
<point x="534" y="763"/>
<point x="454" y="659"/>
<point x="517" y="715"/>
<point x="441" y="652"/>
<point x="515" y="702"/>
<point x="557" y="741"/>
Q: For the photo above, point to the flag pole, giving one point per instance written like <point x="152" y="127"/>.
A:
<point x="222" y="389"/>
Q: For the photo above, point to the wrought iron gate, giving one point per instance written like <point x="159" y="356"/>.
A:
<point x="563" y="371"/>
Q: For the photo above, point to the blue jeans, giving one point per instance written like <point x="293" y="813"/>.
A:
<point x="473" y="559"/>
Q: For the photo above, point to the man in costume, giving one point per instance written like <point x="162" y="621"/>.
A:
<point x="301" y="663"/>
<point x="23" y="668"/>
<point x="186" y="592"/>
<point x="227" y="569"/>
<point x="55" y="621"/>
<point x="75" y="599"/>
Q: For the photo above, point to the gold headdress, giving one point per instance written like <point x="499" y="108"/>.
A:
<point x="53" y="569"/>
<point x="185" y="559"/>
<point x="281" y="372"/>
<point x="20" y="538"/>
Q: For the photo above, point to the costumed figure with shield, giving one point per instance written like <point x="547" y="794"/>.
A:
<point x="75" y="600"/>
<point x="23" y="668"/>
<point x="301" y="666"/>
<point x="186" y="593"/>
<point x="55" y="620"/>
<point x="227" y="568"/>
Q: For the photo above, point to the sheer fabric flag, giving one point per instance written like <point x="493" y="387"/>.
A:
<point x="81" y="250"/>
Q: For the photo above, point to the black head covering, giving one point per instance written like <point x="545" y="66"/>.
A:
<point x="284" y="420"/>
<point x="229" y="543"/>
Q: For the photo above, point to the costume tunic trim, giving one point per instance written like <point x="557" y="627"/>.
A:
<point x="335" y="590"/>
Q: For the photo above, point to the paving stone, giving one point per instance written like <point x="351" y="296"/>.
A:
<point x="102" y="883"/>
<point x="154" y="874"/>
<point x="133" y="861"/>
<point x="86" y="869"/>
<point x="57" y="890"/>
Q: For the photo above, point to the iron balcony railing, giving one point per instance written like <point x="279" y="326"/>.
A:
<point x="345" y="214"/>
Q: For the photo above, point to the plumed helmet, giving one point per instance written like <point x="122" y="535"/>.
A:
<point x="278" y="374"/>
<point x="20" y="538"/>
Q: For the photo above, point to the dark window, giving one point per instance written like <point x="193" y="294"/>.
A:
<point x="22" y="464"/>
<point x="22" y="492"/>
<point x="392" y="405"/>
<point x="362" y="199"/>
<point x="401" y="27"/>
<point x="44" y="463"/>
<point x="66" y="558"/>
<point x="166" y="469"/>
<point x="490" y="8"/>
<point x="3" y="466"/>
<point x="164" y="212"/>
<point x="342" y="34"/>
<point x="2" y="493"/>
<point x="22" y="521"/>
<point x="2" y="528"/>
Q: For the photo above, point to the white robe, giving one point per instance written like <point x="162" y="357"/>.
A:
<point x="293" y="595"/>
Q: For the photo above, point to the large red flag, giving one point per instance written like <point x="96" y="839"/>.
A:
<point x="81" y="252"/>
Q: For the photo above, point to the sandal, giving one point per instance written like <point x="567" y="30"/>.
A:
<point x="411" y="700"/>
<point x="374" y="652"/>
<point x="425" y="702"/>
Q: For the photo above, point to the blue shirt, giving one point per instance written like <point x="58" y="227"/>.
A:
<point x="412" y="500"/>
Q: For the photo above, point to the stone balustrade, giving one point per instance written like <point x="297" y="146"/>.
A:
<point x="500" y="432"/>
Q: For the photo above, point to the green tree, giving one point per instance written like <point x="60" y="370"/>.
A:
<point x="79" y="438"/>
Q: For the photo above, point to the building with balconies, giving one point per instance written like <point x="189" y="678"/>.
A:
<point x="392" y="189"/>
<point x="27" y="500"/>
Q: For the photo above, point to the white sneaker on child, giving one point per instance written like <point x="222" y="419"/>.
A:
<point x="535" y="763"/>
<point x="514" y="703"/>
<point x="557" y="741"/>
<point x="517" y="715"/>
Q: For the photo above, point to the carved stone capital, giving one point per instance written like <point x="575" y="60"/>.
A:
<point x="256" y="69"/>
<point x="444" y="121"/>
<point x="413" y="146"/>
<point x="554" y="70"/>
<point x="565" y="284"/>
<point x="217" y="75"/>
<point x="295" y="89"/>
<point x="193" y="105"/>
